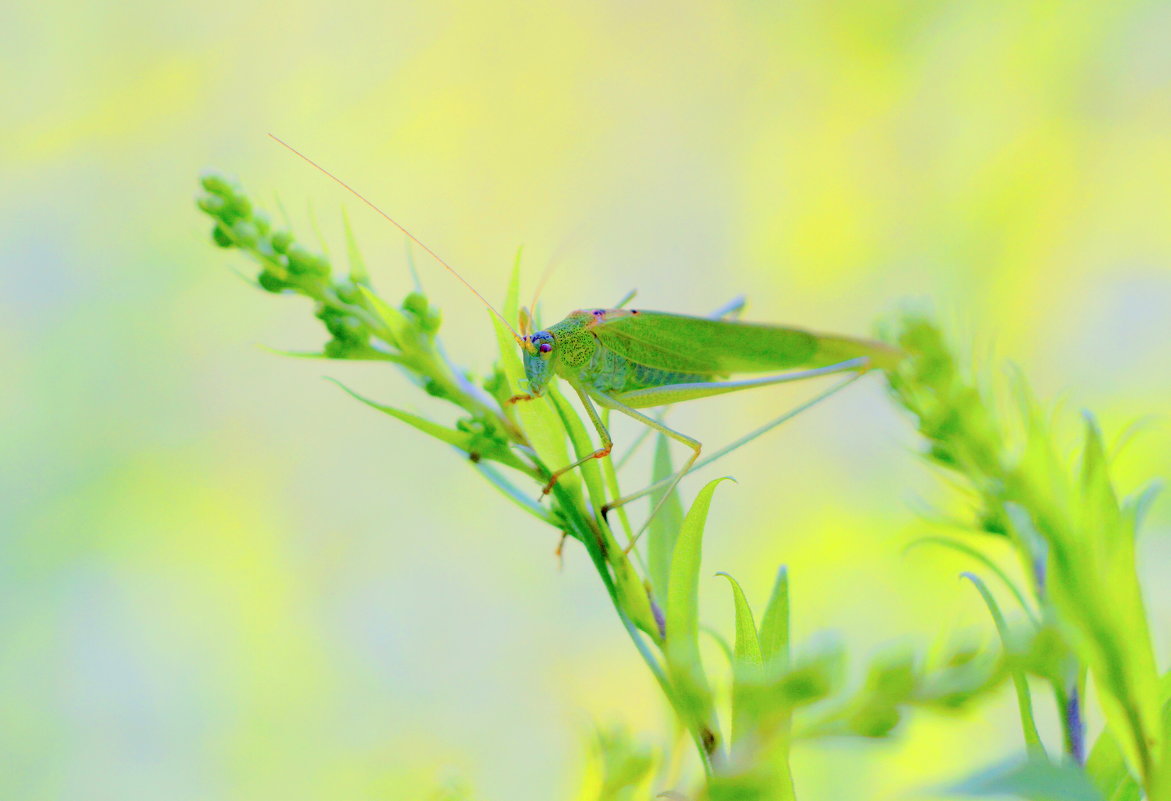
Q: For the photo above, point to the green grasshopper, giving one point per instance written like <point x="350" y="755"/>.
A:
<point x="631" y="359"/>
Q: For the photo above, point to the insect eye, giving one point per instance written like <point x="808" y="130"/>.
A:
<point x="545" y="347"/>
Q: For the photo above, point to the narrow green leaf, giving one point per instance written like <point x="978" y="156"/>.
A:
<point x="1019" y="680"/>
<point x="1161" y="780"/>
<point x="1106" y="768"/>
<point x="747" y="652"/>
<point x="983" y="559"/>
<point x="682" y="622"/>
<point x="363" y="354"/>
<point x="460" y="439"/>
<point x="514" y="494"/>
<point x="358" y="272"/>
<point x="1136" y="506"/>
<point x="747" y="671"/>
<point x="664" y="526"/>
<point x="398" y="329"/>
<point x="1097" y="586"/>
<point x="582" y="446"/>
<point x="774" y="627"/>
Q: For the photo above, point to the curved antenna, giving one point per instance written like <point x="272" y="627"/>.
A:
<point x="392" y="221"/>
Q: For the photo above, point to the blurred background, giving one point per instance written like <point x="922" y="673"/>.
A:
<point x="221" y="578"/>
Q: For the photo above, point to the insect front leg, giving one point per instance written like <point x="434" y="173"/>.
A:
<point x="600" y="453"/>
<point x="695" y="445"/>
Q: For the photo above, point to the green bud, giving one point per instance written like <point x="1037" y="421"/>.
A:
<point x="262" y="222"/>
<point x="240" y="206"/>
<point x="281" y="241"/>
<point x="272" y="283"/>
<point x="302" y="262"/>
<point x="212" y="204"/>
<point x="428" y="318"/>
<point x="221" y="237"/>
<point x="875" y="721"/>
<point x="336" y="349"/>
<point x="245" y="233"/>
<point x="348" y="292"/>
<point x="892" y="677"/>
<point x="217" y="184"/>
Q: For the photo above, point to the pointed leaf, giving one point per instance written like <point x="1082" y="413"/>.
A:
<point x="358" y="272"/>
<point x="582" y="446"/>
<point x="774" y="628"/>
<point x="995" y="569"/>
<point x="747" y="671"/>
<point x="1019" y="680"/>
<point x="682" y="622"/>
<point x="664" y="526"/>
<point x="460" y="439"/>
<point x="398" y="329"/>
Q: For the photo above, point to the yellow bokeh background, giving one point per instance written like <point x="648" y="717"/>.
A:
<point x="224" y="579"/>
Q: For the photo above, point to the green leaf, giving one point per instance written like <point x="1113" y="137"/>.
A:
<point x="460" y="439"/>
<point x="747" y="671"/>
<point x="682" y="623"/>
<point x="580" y="439"/>
<point x="510" y="491"/>
<point x="358" y="272"/>
<point x="1161" y="781"/>
<point x="664" y="526"/>
<point x="1136" y="506"/>
<point x="1019" y="680"/>
<point x="774" y="627"/>
<point x="399" y="330"/>
<point x="983" y="559"/>
<point x="1035" y="780"/>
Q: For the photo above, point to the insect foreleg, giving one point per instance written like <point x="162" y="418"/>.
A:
<point x="601" y="453"/>
<point x="695" y="445"/>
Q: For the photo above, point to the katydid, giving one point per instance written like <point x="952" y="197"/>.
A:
<point x="631" y="359"/>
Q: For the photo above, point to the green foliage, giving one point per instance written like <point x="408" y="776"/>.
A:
<point x="1080" y="619"/>
<point x="1072" y="534"/>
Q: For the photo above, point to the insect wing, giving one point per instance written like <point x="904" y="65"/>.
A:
<point x="702" y="345"/>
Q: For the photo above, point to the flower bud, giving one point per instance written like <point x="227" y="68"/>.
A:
<point x="239" y="206"/>
<point x="272" y="283"/>
<point x="262" y="222"/>
<point x="212" y="204"/>
<point x="302" y="262"/>
<point x="348" y="293"/>
<point x="245" y="233"/>
<point x="281" y="241"/>
<point x="217" y="184"/>
<point x="221" y="237"/>
<point x="428" y="318"/>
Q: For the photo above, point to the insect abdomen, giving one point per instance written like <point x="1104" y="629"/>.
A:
<point x="609" y="372"/>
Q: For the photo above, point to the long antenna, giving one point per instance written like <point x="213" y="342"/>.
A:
<point x="392" y="221"/>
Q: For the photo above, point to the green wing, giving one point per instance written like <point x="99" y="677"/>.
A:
<point x="702" y="345"/>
